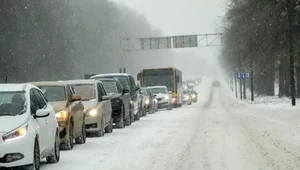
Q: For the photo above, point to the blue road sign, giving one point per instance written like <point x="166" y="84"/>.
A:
<point x="243" y="75"/>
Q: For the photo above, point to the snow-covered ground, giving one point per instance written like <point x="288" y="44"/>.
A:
<point x="218" y="132"/>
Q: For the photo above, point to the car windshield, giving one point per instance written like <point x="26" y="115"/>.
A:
<point x="122" y="79"/>
<point x="185" y="92"/>
<point x="110" y="86"/>
<point x="87" y="92"/>
<point x="12" y="103"/>
<point x="159" y="90"/>
<point x="54" y="93"/>
<point x="144" y="91"/>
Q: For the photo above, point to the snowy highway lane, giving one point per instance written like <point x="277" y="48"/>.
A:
<point x="215" y="133"/>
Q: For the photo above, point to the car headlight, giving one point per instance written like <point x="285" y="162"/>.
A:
<point x="147" y="101"/>
<point x="187" y="97"/>
<point x="62" y="114"/>
<point x="16" y="134"/>
<point x="167" y="97"/>
<point x="193" y="96"/>
<point x="173" y="100"/>
<point x="131" y="102"/>
<point x="92" y="112"/>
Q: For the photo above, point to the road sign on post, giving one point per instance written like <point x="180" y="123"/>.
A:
<point x="243" y="75"/>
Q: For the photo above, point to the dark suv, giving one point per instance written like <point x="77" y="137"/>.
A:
<point x="128" y="83"/>
<point x="120" y="102"/>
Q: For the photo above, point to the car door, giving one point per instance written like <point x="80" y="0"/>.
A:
<point x="134" y="93"/>
<point x="42" y="123"/>
<point x="106" y="104"/>
<point x="50" y="120"/>
<point x="126" y="98"/>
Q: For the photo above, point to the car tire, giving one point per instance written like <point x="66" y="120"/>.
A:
<point x="55" y="155"/>
<point x="128" y="119"/>
<point x="132" y="116"/>
<point x="36" y="157"/>
<point x="82" y="138"/>
<point x="109" y="128"/>
<point x="101" y="132"/>
<point x="70" y="142"/>
<point x="138" y="115"/>
<point x="170" y="107"/>
<point x="121" y="123"/>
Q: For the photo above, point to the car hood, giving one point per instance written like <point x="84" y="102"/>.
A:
<point x="161" y="95"/>
<point x="9" y="123"/>
<point x="58" y="106"/>
<point x="89" y="104"/>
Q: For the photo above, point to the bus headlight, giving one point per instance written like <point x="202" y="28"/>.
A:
<point x="174" y="100"/>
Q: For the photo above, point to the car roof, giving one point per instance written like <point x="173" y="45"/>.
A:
<point x="107" y="79"/>
<point x="12" y="87"/>
<point x="49" y="83"/>
<point x="111" y="75"/>
<point x="152" y="87"/>
<point x="82" y="81"/>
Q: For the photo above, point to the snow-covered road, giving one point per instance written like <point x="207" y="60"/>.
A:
<point x="216" y="133"/>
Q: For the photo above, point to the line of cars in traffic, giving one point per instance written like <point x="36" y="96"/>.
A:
<point x="38" y="119"/>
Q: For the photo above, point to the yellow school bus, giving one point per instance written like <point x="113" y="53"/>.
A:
<point x="169" y="77"/>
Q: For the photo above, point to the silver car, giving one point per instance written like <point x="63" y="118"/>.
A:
<point x="163" y="96"/>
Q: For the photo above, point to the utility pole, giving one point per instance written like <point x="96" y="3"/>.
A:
<point x="251" y="78"/>
<point x="244" y="82"/>
<point x="235" y="82"/>
<point x="240" y="70"/>
<point x="290" y="10"/>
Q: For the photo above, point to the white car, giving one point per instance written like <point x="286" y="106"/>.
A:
<point x="29" y="130"/>
<point x="163" y="96"/>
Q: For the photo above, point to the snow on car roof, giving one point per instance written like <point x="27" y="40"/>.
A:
<point x="49" y="83"/>
<point x="85" y="81"/>
<point x="12" y="87"/>
<point x="153" y="87"/>
<point x="110" y="75"/>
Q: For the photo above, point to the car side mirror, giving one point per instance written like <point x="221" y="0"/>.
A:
<point x="41" y="113"/>
<point x="104" y="98"/>
<point x="154" y="96"/>
<point x="76" y="97"/>
<point x="125" y="91"/>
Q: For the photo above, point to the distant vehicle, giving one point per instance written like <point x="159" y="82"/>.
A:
<point x="69" y="112"/>
<point x="187" y="98"/>
<point x="169" y="77"/>
<point x="149" y="104"/>
<point x="216" y="84"/>
<point x="120" y="101"/>
<point x="194" y="96"/>
<point x="163" y="96"/>
<point x="190" y="84"/>
<point x="128" y="82"/>
<point x="29" y="130"/>
<point x="97" y="106"/>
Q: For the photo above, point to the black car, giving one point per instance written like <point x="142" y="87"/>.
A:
<point x="120" y="102"/>
<point x="148" y="104"/>
<point x="128" y="83"/>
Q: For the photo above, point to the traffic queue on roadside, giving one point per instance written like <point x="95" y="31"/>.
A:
<point x="38" y="119"/>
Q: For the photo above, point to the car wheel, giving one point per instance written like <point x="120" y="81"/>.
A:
<point x="109" y="128"/>
<point x="138" y="115"/>
<point x="100" y="133"/>
<point x="121" y="124"/>
<point x="82" y="138"/>
<point x="55" y="155"/>
<point x="170" y="107"/>
<point x="132" y="117"/>
<point x="128" y="119"/>
<point x="144" y="112"/>
<point x="36" y="157"/>
<point x="70" y="142"/>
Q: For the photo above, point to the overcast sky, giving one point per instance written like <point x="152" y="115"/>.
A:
<point x="179" y="17"/>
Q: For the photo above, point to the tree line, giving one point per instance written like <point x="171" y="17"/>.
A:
<point x="257" y="30"/>
<point x="63" y="39"/>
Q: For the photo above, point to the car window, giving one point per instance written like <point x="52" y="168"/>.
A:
<point x="12" y="103"/>
<point x="132" y="83"/>
<point x="54" y="93"/>
<point x="69" y="92"/>
<point x="110" y="86"/>
<point x="87" y="92"/>
<point x="100" y="91"/>
<point x="103" y="89"/>
<point x="41" y="98"/>
<point x="34" y="103"/>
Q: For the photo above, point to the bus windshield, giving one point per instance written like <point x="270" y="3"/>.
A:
<point x="159" y="78"/>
